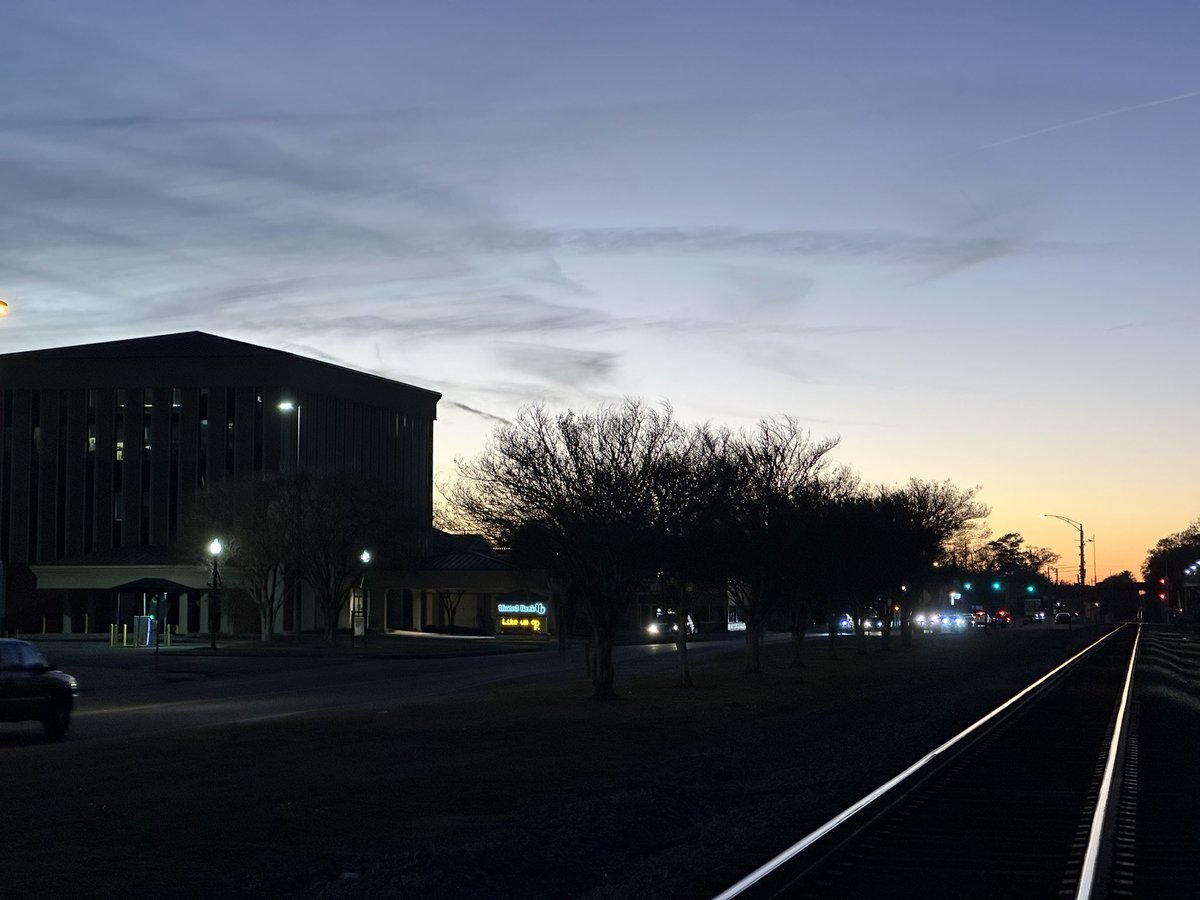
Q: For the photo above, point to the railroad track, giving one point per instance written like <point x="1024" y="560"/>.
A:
<point x="955" y="824"/>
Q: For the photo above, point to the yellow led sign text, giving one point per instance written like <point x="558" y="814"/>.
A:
<point x="522" y="622"/>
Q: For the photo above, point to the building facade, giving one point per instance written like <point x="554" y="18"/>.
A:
<point x="102" y="446"/>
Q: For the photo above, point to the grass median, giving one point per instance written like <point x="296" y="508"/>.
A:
<point x="269" y="809"/>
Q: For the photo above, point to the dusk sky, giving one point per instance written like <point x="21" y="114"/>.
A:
<point x="962" y="237"/>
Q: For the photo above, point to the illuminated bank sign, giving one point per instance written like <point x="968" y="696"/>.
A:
<point x="527" y="617"/>
<point x="521" y="609"/>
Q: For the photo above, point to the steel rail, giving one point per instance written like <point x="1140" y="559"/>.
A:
<point x="854" y="809"/>
<point x="1091" y="858"/>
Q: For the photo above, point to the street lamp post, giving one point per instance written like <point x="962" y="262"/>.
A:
<point x="358" y="607"/>
<point x="1082" y="555"/>
<point x="214" y="596"/>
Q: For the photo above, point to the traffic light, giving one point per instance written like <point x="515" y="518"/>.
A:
<point x="1029" y="589"/>
<point x="996" y="585"/>
<point x="1162" y="589"/>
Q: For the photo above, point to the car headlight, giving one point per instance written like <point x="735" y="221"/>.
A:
<point x="652" y="628"/>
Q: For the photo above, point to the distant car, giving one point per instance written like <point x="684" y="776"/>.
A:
<point x="980" y="619"/>
<point x="32" y="690"/>
<point x="664" y="625"/>
<point x="870" y="622"/>
<point x="1062" y="618"/>
<point x="1003" y="618"/>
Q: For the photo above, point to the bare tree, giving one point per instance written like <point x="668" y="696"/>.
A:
<point x="691" y="499"/>
<point x="811" y="577"/>
<point x="450" y="601"/>
<point x="771" y="471"/>
<point x="338" y="515"/>
<point x="576" y="491"/>
<point x="250" y="517"/>
<point x="1007" y="555"/>
<point x="913" y="526"/>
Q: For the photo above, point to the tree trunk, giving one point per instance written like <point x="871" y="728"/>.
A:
<point x="603" y="673"/>
<point x="681" y="636"/>
<point x="798" y="632"/>
<point x="906" y="629"/>
<point x="885" y="638"/>
<point x="266" y="621"/>
<point x="832" y="627"/>
<point x="330" y="622"/>
<point x="754" y="632"/>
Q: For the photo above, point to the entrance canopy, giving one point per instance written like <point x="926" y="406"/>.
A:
<point x="155" y="586"/>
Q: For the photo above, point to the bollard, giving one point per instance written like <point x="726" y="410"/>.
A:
<point x="124" y="635"/>
<point x="112" y="635"/>
<point x="87" y="623"/>
<point x="43" y="626"/>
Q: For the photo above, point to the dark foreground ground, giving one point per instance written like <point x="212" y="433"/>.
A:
<point x="532" y="791"/>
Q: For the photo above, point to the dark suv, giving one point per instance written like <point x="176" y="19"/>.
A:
<point x="33" y="690"/>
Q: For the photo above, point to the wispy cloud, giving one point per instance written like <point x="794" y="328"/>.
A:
<point x="487" y="416"/>
<point x="566" y="366"/>
<point x="1084" y="120"/>
<point x="1148" y="324"/>
<point x="806" y="244"/>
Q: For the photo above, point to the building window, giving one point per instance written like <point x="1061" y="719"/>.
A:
<point x="202" y="441"/>
<point x="173" y="477"/>
<point x="147" y="458"/>
<point x="118" y="496"/>
<point x="60" y="488"/>
<point x="35" y="459"/>
<point x="89" y="477"/>
<point x="230" y="413"/>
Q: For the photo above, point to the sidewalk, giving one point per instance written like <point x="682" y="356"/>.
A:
<point x="406" y="645"/>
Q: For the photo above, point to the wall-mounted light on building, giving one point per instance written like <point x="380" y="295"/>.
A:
<point x="288" y="406"/>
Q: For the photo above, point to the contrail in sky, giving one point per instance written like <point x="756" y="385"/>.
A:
<point x="1096" y="117"/>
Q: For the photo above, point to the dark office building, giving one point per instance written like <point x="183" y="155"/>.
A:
<point x="102" y="444"/>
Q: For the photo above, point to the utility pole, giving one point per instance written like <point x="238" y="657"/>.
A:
<point x="1082" y="556"/>
<point x="1082" y="563"/>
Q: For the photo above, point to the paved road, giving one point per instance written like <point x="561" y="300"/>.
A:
<point x="126" y="693"/>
